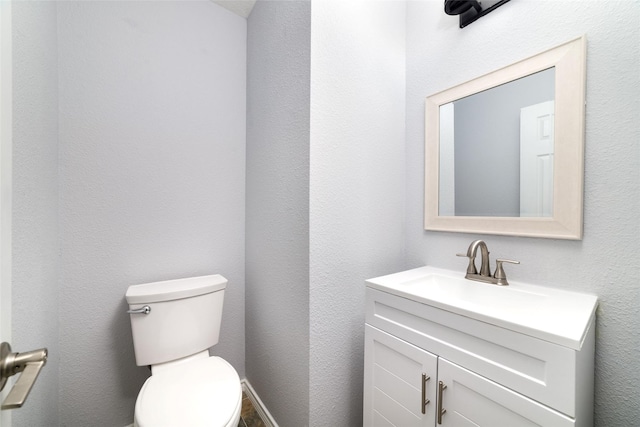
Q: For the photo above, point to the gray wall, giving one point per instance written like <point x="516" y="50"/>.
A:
<point x="439" y="55"/>
<point x="152" y="154"/>
<point x="325" y="191"/>
<point x="277" y="226"/>
<point x="35" y="201"/>
<point x="487" y="145"/>
<point x="149" y="190"/>
<point x="357" y="188"/>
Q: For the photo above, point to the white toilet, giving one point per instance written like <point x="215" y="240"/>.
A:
<point x="173" y="324"/>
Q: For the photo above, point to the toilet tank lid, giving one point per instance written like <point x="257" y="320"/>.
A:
<point x="169" y="290"/>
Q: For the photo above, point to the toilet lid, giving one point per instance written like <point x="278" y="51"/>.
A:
<point x="203" y="392"/>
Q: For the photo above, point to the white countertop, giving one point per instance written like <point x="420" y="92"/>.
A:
<point x="554" y="315"/>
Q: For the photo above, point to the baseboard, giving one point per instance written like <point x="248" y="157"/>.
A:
<point x="257" y="404"/>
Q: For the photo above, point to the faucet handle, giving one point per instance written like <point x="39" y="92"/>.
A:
<point x="500" y="274"/>
<point x="471" y="268"/>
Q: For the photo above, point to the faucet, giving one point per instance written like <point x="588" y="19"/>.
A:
<point x="498" y="278"/>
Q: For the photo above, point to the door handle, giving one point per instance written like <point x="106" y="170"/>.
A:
<point x="29" y="363"/>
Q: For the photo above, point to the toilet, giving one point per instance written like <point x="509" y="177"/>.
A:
<point x="174" y="323"/>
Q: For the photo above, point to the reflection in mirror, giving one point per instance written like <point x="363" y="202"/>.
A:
<point x="496" y="150"/>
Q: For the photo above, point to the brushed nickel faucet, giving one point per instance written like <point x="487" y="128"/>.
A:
<point x="498" y="278"/>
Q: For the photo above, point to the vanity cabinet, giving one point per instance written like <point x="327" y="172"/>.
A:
<point x="493" y="372"/>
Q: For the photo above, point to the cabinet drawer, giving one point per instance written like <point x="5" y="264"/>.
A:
<point x="543" y="371"/>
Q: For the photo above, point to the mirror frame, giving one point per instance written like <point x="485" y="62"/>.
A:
<point x="569" y="60"/>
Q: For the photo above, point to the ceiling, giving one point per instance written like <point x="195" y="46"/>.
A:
<point x="239" y="7"/>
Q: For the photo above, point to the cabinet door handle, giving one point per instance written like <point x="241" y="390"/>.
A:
<point x="425" y="401"/>
<point x="441" y="411"/>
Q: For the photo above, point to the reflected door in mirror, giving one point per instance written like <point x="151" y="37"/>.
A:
<point x="536" y="160"/>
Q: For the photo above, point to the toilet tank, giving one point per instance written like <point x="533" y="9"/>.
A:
<point x="184" y="317"/>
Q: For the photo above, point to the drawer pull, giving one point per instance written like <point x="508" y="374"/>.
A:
<point x="425" y="401"/>
<point x="441" y="411"/>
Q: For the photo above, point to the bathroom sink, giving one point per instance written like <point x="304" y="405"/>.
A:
<point x="551" y="314"/>
<point x="488" y="296"/>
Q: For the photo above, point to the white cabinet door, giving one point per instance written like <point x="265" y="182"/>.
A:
<point x="399" y="382"/>
<point x="472" y="400"/>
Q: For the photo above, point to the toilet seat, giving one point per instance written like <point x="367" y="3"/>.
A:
<point x="204" y="393"/>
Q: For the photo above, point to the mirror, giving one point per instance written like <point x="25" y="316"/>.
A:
<point x="504" y="151"/>
<point x="484" y="171"/>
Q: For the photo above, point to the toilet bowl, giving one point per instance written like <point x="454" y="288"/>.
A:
<point x="203" y="392"/>
<point x="173" y="324"/>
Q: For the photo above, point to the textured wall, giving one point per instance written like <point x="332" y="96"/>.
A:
<point x="439" y="55"/>
<point x="357" y="188"/>
<point x="152" y="154"/>
<point x="35" y="201"/>
<point x="277" y="230"/>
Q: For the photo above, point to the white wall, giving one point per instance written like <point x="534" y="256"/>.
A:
<point x="277" y="230"/>
<point x="35" y="202"/>
<point x="152" y="154"/>
<point x="439" y="55"/>
<point x="357" y="188"/>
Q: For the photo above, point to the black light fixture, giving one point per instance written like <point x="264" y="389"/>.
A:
<point x="470" y="10"/>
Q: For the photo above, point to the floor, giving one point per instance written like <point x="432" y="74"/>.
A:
<point x="249" y="416"/>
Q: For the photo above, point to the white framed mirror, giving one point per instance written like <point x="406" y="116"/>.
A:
<point x="504" y="152"/>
